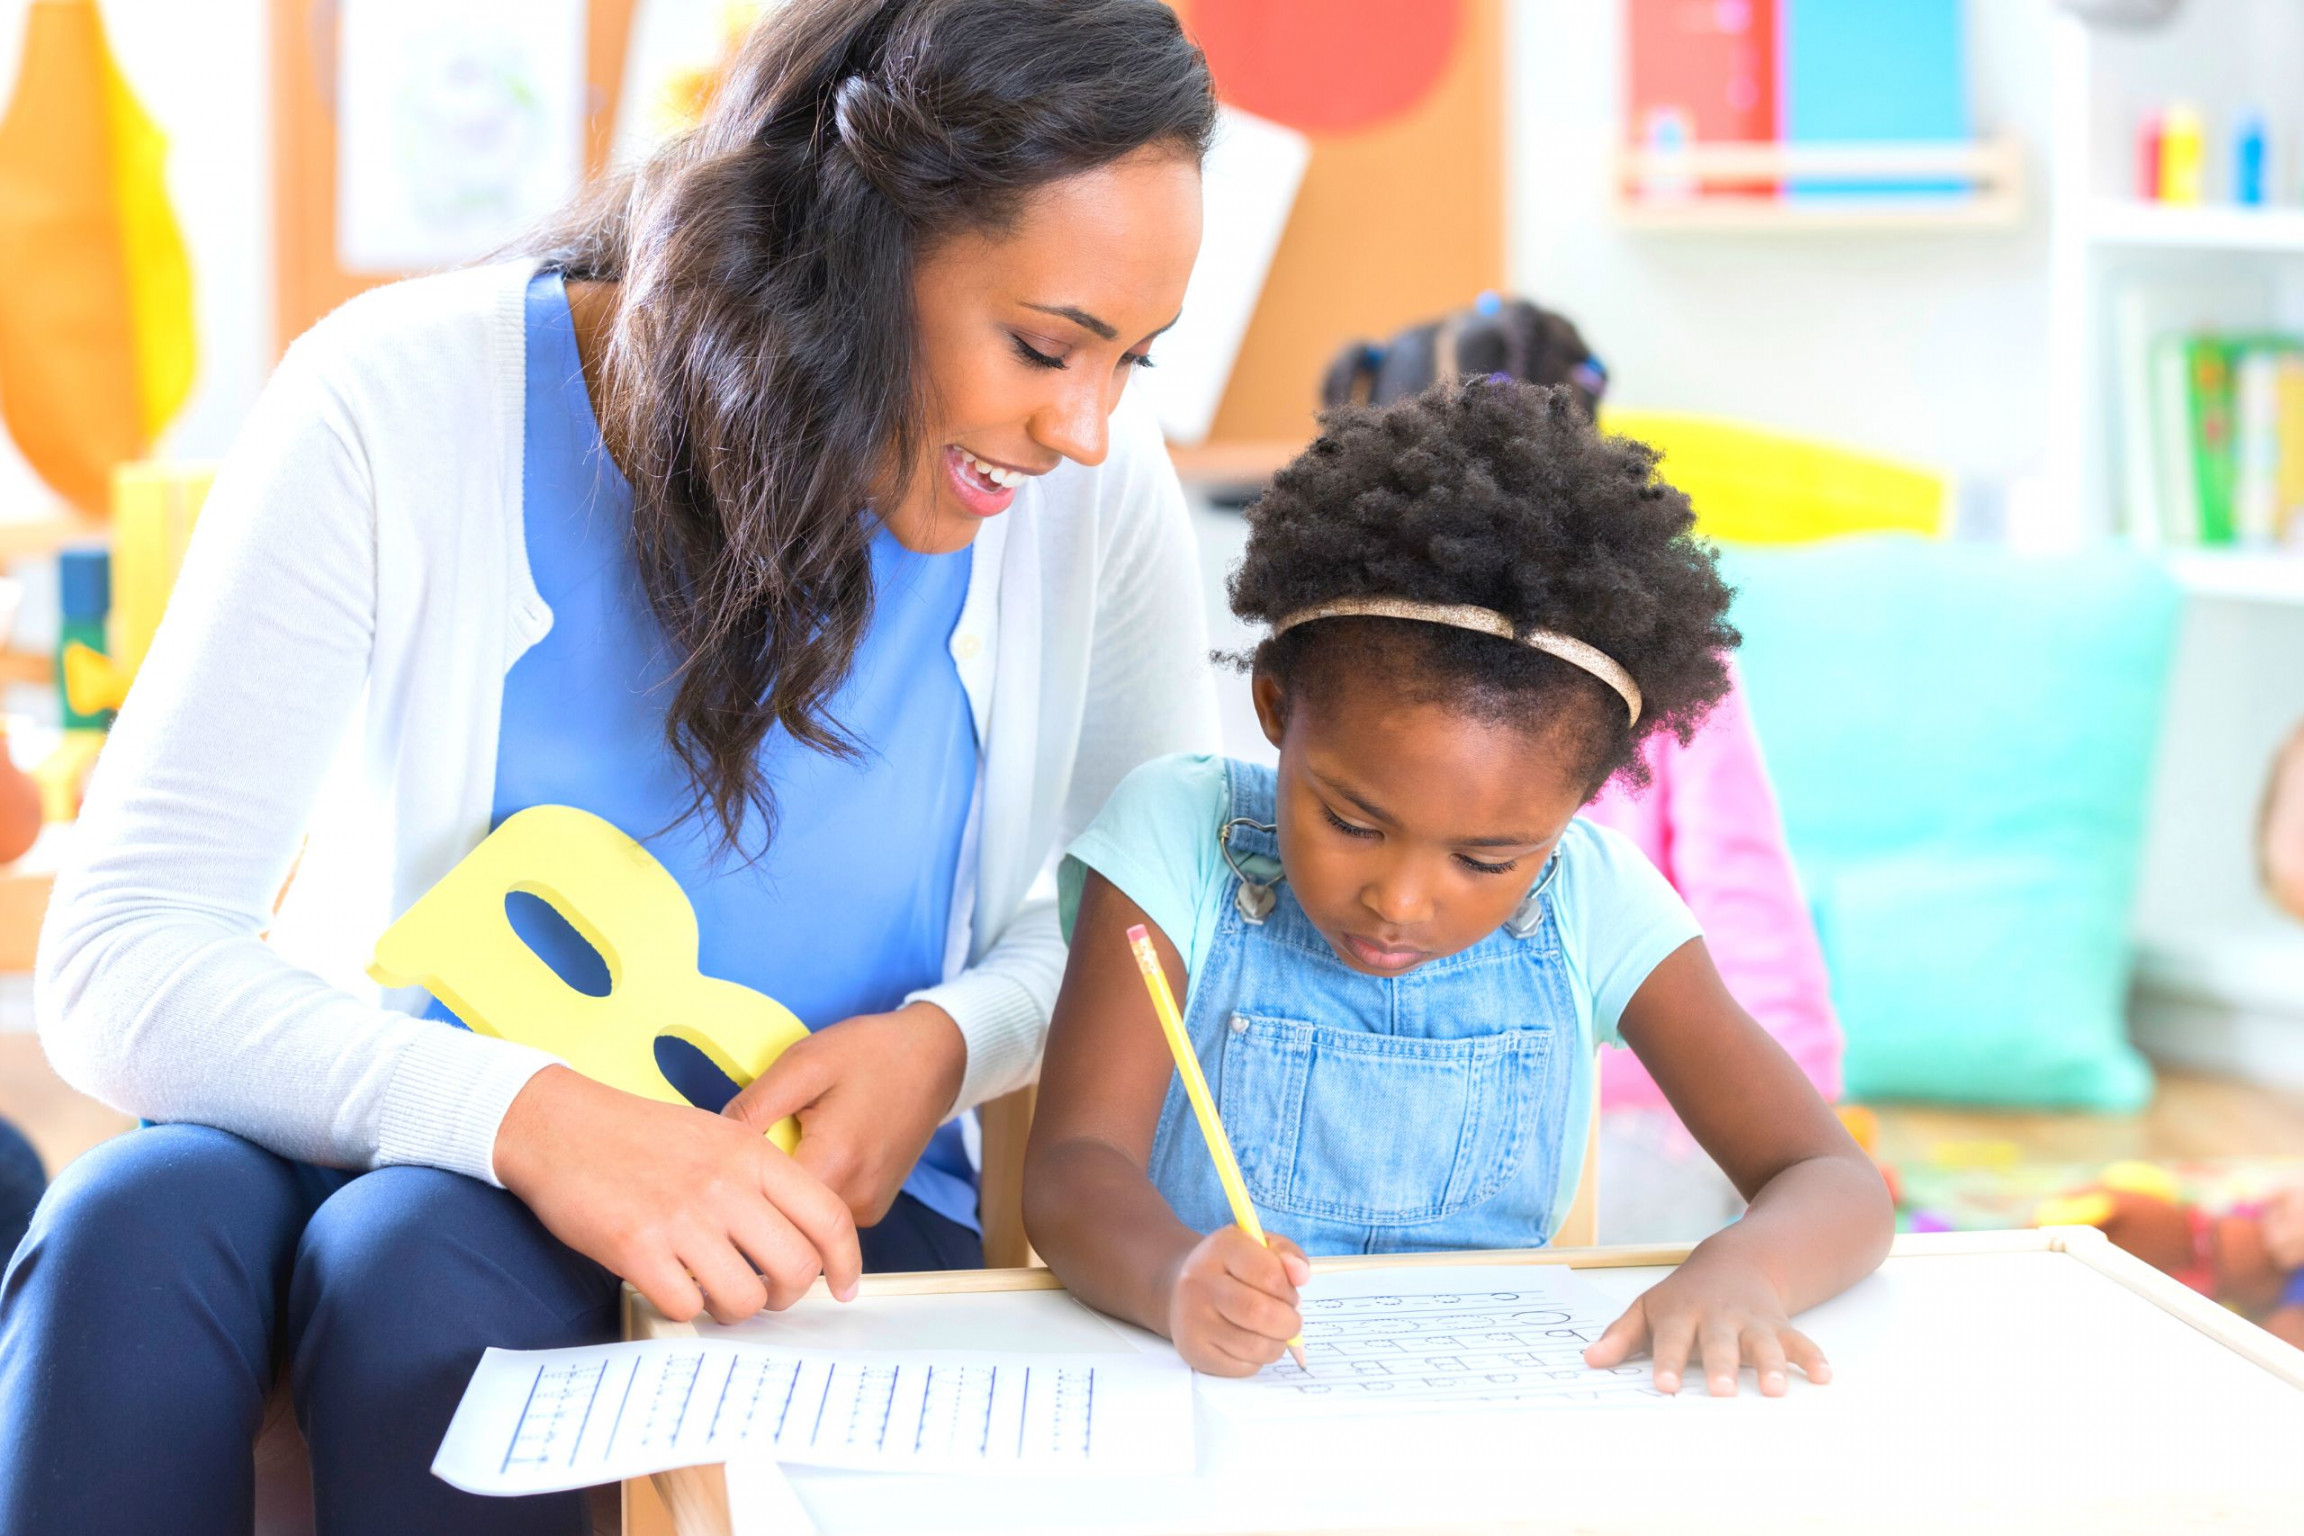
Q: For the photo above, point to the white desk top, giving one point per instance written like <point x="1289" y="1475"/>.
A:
<point x="1979" y="1381"/>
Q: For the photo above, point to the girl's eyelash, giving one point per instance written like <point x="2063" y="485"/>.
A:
<point x="1137" y="359"/>
<point x="1478" y="865"/>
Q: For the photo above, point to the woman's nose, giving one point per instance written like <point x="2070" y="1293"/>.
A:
<point x="1076" y="419"/>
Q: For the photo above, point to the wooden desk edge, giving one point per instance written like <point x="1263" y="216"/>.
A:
<point x="696" y="1498"/>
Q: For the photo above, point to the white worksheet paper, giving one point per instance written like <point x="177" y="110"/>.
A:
<point x="1385" y="1339"/>
<point x="534" y="1421"/>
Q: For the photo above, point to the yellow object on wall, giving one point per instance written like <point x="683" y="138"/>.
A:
<point x="458" y="943"/>
<point x="96" y="350"/>
<point x="154" y="507"/>
<point x="1752" y="486"/>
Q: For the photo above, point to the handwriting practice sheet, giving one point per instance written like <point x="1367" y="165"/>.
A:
<point x="1382" y="1339"/>
<point x="535" y="1421"/>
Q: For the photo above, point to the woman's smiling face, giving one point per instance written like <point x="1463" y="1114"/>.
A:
<point x="1028" y="335"/>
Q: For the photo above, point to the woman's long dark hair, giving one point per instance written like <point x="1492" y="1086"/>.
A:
<point x="762" y="382"/>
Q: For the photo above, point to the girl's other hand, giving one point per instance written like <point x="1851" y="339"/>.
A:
<point x="700" y="1213"/>
<point x="1232" y="1306"/>
<point x="1718" y="1313"/>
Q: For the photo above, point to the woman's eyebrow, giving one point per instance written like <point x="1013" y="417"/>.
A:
<point x="1079" y="317"/>
<point x="1089" y="322"/>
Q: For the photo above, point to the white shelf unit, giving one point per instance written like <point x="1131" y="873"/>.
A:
<point x="2241" y="575"/>
<point x="2116" y="221"/>
<point x="2215" y="960"/>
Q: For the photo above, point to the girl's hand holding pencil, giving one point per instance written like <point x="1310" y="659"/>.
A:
<point x="1250" y="1231"/>
<point x="1232" y="1302"/>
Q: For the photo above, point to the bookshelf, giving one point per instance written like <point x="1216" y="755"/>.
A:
<point x="1995" y="167"/>
<point x="2220" y="973"/>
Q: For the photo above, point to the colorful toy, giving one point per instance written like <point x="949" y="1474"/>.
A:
<point x="154" y="508"/>
<point x="111" y="601"/>
<point x="458" y="943"/>
<point x="2219" y="1254"/>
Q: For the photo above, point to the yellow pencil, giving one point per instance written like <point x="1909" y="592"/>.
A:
<point x="1196" y="1089"/>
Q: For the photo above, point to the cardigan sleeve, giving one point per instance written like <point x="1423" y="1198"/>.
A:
<point x="155" y="990"/>
<point x="1148" y="693"/>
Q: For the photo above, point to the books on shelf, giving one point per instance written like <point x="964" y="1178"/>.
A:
<point x="2213" y="440"/>
<point x="1836" y="76"/>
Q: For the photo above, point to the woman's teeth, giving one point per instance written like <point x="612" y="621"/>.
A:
<point x="1007" y="479"/>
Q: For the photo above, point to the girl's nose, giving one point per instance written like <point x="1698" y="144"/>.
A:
<point x="1399" y="899"/>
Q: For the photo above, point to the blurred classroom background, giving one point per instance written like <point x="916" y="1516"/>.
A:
<point x="1975" y="330"/>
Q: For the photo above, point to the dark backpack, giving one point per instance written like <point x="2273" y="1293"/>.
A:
<point x="1495" y="335"/>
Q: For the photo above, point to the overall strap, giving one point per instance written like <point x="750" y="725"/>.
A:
<point x="1247" y="838"/>
<point x="1254" y="790"/>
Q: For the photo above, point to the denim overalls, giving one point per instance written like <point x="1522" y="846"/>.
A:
<point x="1377" y="1114"/>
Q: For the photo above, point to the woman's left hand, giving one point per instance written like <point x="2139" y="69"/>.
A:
<point x="869" y="1092"/>
<point x="1721" y="1312"/>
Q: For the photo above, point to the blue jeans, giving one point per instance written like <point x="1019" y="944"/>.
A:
<point x="21" y="1181"/>
<point x="172" y="1273"/>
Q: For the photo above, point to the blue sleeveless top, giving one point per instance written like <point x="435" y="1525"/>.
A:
<point x="851" y="907"/>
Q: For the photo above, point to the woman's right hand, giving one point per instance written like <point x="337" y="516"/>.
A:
<point x="1232" y="1309"/>
<point x="698" y="1212"/>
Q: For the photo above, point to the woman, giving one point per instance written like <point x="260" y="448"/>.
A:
<point x="858" y="595"/>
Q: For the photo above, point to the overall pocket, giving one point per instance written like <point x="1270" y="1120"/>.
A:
<point x="1383" y="1130"/>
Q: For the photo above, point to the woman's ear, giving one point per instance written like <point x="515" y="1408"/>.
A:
<point x="1271" y="705"/>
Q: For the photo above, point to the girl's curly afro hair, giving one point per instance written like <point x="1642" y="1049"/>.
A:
<point x="1502" y="495"/>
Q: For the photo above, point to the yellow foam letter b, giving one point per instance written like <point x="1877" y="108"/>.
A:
<point x="458" y="943"/>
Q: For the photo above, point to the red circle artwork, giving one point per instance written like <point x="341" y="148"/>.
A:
<point x="1327" y="66"/>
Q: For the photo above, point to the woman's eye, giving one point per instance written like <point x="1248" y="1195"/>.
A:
<point x="1135" y="359"/>
<point x="1033" y="355"/>
<point x="1480" y="866"/>
<point x="1345" y="827"/>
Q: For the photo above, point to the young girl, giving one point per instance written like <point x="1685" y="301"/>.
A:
<point x="1398" y="950"/>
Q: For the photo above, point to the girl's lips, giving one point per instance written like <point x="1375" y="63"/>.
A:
<point x="1377" y="958"/>
<point x="978" y="495"/>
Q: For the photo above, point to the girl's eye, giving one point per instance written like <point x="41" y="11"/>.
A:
<point x="1345" y="827"/>
<point x="1033" y="355"/>
<point x="1135" y="359"/>
<point x="1480" y="867"/>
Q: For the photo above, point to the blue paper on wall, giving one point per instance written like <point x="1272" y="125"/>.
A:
<point x="1874" y="71"/>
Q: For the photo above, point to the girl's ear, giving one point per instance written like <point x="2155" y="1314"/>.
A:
<point x="1271" y="705"/>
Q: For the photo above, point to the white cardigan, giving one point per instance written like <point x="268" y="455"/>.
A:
<point x="334" y="659"/>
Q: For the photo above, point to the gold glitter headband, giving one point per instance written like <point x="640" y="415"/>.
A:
<point x="1486" y="621"/>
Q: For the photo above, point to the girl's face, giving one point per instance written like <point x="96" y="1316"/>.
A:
<point x="1409" y="831"/>
<point x="1028" y="335"/>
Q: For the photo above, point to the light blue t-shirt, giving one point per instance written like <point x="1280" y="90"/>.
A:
<point x="1156" y="841"/>
<point x="849" y="910"/>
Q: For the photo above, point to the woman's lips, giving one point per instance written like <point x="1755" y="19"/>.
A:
<point x="1377" y="958"/>
<point x="978" y="494"/>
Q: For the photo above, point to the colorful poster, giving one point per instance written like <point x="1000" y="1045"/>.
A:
<point x="457" y="126"/>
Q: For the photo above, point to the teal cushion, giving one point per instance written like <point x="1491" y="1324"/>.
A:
<point x="1962" y="742"/>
